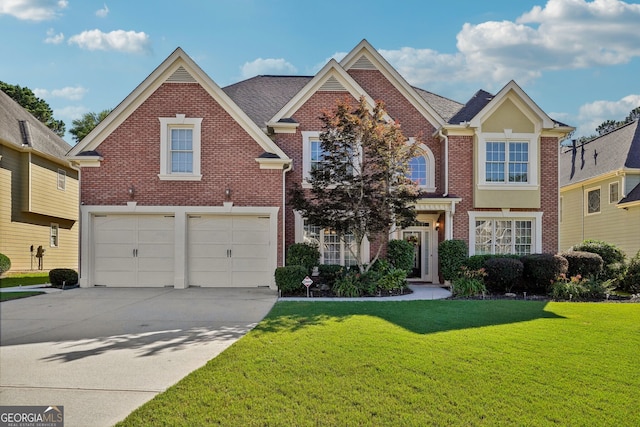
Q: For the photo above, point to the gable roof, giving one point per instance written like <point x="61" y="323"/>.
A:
<point x="178" y="67"/>
<point x="469" y="110"/>
<point x="20" y="129"/>
<point x="616" y="150"/>
<point x="445" y="107"/>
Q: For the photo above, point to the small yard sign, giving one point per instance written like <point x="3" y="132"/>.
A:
<point x="307" y="282"/>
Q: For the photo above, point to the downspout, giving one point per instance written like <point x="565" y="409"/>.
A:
<point x="446" y="162"/>
<point x="284" y="210"/>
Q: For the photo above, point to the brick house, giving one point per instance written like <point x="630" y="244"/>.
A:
<point x="185" y="183"/>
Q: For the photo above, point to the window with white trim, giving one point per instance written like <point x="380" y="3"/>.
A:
<point x="62" y="179"/>
<point x="507" y="160"/>
<point x="180" y="143"/>
<point x="333" y="250"/>
<point x="614" y="192"/>
<point x="422" y="167"/>
<point x="53" y="235"/>
<point x="504" y="232"/>
<point x="592" y="201"/>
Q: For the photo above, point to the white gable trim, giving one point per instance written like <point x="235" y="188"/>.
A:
<point x="364" y="48"/>
<point x="159" y="76"/>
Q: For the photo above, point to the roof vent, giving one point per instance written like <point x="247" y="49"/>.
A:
<point x="363" y="63"/>
<point x="25" y="132"/>
<point x="181" y="76"/>
<point x="332" y="84"/>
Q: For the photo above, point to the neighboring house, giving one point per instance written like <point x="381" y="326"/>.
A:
<point x="600" y="190"/>
<point x="186" y="183"/>
<point x="39" y="193"/>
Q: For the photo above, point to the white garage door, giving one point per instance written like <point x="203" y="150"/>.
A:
<point x="228" y="251"/>
<point x="133" y="250"/>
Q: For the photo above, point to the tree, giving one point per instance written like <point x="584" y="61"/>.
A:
<point x="633" y="115"/>
<point x="36" y="106"/>
<point x="360" y="188"/>
<point x="82" y="127"/>
<point x="607" y="126"/>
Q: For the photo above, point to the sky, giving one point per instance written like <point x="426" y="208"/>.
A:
<point x="578" y="60"/>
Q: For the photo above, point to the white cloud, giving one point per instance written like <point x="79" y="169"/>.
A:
<point x="70" y="113"/>
<point x="119" y="40"/>
<point x="102" y="13"/>
<point x="591" y="115"/>
<point x="267" y="66"/>
<point x="72" y="93"/>
<point x="53" y="38"/>
<point x="33" y="10"/>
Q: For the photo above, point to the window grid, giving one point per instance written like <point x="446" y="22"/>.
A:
<point x="503" y="236"/>
<point x="53" y="233"/>
<point x="593" y="201"/>
<point x="62" y="179"/>
<point x="518" y="161"/>
<point x="316" y="154"/>
<point x="181" y="151"/>
<point x="495" y="162"/>
<point x="418" y="170"/>
<point x="499" y="169"/>
<point x="332" y="249"/>
<point x="614" y="192"/>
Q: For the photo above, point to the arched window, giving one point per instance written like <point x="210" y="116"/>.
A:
<point x="418" y="170"/>
<point x="422" y="168"/>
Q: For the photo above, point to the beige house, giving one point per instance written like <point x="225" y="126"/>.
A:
<point x="600" y="190"/>
<point x="39" y="193"/>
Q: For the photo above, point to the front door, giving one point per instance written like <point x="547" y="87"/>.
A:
<point x="420" y="238"/>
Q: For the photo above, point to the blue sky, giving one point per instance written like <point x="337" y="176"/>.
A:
<point x="579" y="60"/>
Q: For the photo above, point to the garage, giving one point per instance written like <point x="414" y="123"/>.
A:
<point x="133" y="250"/>
<point x="229" y="250"/>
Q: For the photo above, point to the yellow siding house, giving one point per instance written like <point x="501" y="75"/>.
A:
<point x="39" y="193"/>
<point x="600" y="190"/>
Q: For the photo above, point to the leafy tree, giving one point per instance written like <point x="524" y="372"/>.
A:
<point x="633" y="115"/>
<point x="360" y="187"/>
<point x="607" y="126"/>
<point x="36" y="106"/>
<point x="82" y="127"/>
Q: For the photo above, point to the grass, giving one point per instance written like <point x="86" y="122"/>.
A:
<point x="24" y="279"/>
<point x="8" y="296"/>
<point x="416" y="363"/>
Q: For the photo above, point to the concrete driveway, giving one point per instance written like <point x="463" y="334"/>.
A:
<point x="101" y="353"/>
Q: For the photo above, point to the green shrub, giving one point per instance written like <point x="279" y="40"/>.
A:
<point x="60" y="277"/>
<point x="541" y="270"/>
<point x="469" y="283"/>
<point x="400" y="254"/>
<point x="476" y="262"/>
<point x="5" y="263"/>
<point x="304" y="254"/>
<point x="348" y="285"/>
<point x="613" y="258"/>
<point x="583" y="263"/>
<point x="329" y="273"/>
<point x="394" y="279"/>
<point x="578" y="288"/>
<point x="631" y="282"/>
<point x="289" y="278"/>
<point x="452" y="254"/>
<point x="503" y="274"/>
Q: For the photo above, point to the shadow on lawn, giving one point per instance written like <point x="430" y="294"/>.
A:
<point x="421" y="317"/>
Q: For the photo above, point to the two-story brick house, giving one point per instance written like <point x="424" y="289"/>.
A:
<point x="185" y="183"/>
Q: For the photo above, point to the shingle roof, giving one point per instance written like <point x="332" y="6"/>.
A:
<point x="633" y="196"/>
<point x="40" y="137"/>
<point x="445" y="107"/>
<point x="615" y="150"/>
<point x="469" y="110"/>
<point x="261" y="97"/>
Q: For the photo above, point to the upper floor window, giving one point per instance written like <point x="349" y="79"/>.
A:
<point x="180" y="141"/>
<point x="313" y="156"/>
<point x="53" y="235"/>
<point x="507" y="160"/>
<point x="62" y="179"/>
<point x="593" y="201"/>
<point x="422" y="168"/>
<point x="614" y="192"/>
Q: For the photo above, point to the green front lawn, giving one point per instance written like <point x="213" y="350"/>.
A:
<point x="417" y="363"/>
<point x="24" y="279"/>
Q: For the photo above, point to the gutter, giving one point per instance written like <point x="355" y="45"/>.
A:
<point x="446" y="162"/>
<point x="285" y="169"/>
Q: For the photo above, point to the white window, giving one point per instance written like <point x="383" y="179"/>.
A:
<point x="614" y="192"/>
<point x="592" y="201"/>
<point x="518" y="233"/>
<point x="62" y="179"/>
<point x="180" y="141"/>
<point x="53" y="235"/>
<point x="422" y="168"/>
<point x="507" y="160"/>
<point x="312" y="157"/>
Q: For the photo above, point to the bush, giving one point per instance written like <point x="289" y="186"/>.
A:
<point x="303" y="254"/>
<point x="329" y="273"/>
<point x="5" y="263"/>
<point x="503" y="274"/>
<point x="631" y="282"/>
<point x="289" y="278"/>
<point x="452" y="255"/>
<point x="348" y="285"/>
<point x="60" y="277"/>
<point x="469" y="283"/>
<point x="476" y="262"/>
<point x="612" y="257"/>
<point x="583" y="263"/>
<point x="400" y="254"/>
<point x="393" y="279"/>
<point x="541" y="270"/>
<point x="578" y="288"/>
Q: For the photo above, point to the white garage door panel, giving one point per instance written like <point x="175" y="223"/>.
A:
<point x="228" y="251"/>
<point x="133" y="250"/>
